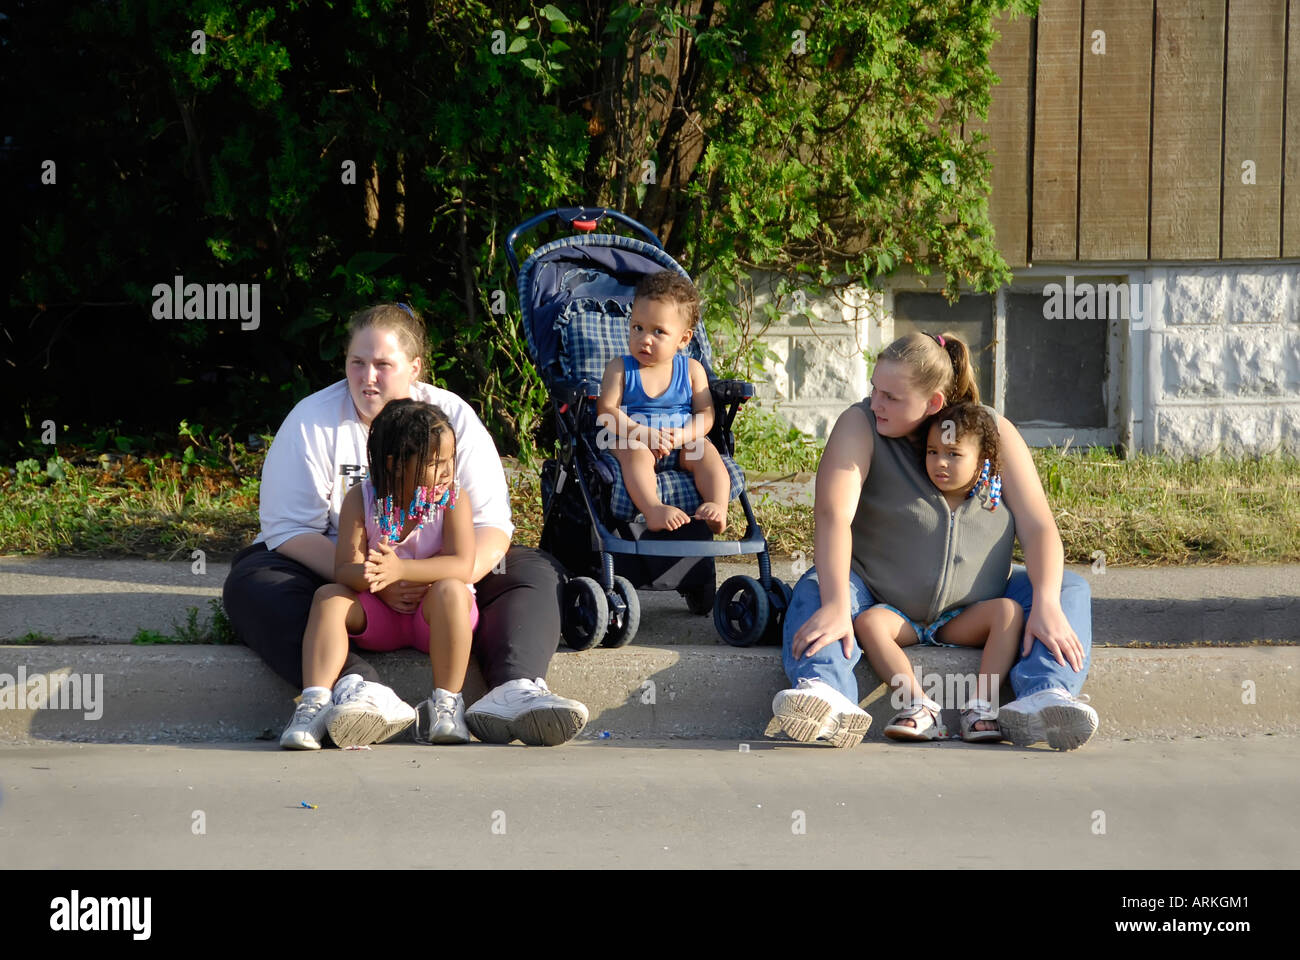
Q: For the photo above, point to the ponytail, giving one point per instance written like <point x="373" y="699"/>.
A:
<point x="964" y="388"/>
<point x="936" y="362"/>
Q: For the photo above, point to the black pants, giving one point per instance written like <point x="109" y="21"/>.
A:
<point x="268" y="597"/>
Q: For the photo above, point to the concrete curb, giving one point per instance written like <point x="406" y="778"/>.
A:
<point x="208" y="693"/>
<point x="76" y="599"/>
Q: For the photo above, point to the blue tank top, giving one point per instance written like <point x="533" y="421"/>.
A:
<point x="672" y="408"/>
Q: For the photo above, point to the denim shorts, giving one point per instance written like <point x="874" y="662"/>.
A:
<point x="924" y="634"/>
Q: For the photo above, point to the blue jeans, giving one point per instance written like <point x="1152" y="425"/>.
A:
<point x="1038" y="671"/>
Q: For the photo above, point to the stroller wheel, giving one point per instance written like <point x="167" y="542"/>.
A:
<point x="699" y="600"/>
<point x="621" y="634"/>
<point x="741" y="611"/>
<point x="779" y="601"/>
<point x="585" y="615"/>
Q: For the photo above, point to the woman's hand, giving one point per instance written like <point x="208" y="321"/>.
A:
<point x="826" y="625"/>
<point x="383" y="567"/>
<point x="403" y="596"/>
<point x="1047" y="622"/>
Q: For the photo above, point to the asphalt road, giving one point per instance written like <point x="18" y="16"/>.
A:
<point x="699" y="804"/>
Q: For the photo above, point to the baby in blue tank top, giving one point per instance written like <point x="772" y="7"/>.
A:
<point x="656" y="400"/>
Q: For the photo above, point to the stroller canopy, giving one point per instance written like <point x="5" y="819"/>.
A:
<point x="588" y="274"/>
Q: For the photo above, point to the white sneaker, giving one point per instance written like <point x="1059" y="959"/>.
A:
<point x="526" y="710"/>
<point x="814" y="710"/>
<point x="368" y="712"/>
<point x="1065" y="722"/>
<point x="344" y="684"/>
<point x="441" y="718"/>
<point x="307" y="728"/>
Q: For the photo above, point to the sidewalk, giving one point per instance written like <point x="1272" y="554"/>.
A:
<point x="676" y="680"/>
<point x="110" y="600"/>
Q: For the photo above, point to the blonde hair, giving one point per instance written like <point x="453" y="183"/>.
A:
<point x="401" y="319"/>
<point x="933" y="366"/>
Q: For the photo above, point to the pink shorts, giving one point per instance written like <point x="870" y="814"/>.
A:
<point x="386" y="629"/>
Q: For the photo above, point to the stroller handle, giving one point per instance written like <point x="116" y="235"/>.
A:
<point x="583" y="219"/>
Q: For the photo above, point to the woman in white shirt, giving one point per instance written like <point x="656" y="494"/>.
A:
<point x="318" y="453"/>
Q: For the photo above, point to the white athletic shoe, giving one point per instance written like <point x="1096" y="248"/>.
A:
<point x="526" y="710"/>
<point x="814" y="710"/>
<point x="441" y="719"/>
<point x="307" y="728"/>
<point x="1065" y="722"/>
<point x="367" y="712"/>
<point x="344" y="684"/>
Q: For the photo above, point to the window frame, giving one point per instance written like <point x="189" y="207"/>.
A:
<point x="1121" y="382"/>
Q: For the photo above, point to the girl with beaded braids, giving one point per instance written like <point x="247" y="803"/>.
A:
<point x="408" y="521"/>
<point x="319" y="455"/>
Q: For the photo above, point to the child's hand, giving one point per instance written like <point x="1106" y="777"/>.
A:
<point x="655" y="442"/>
<point x="383" y="567"/>
<point x="403" y="596"/>
<point x="673" y="436"/>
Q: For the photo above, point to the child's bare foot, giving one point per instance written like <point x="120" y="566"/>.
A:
<point x="664" y="517"/>
<point x="714" y="515"/>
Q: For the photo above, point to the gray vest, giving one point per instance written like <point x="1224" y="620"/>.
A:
<point x="911" y="550"/>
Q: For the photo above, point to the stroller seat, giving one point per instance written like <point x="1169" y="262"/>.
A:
<point x="676" y="486"/>
<point x="594" y="332"/>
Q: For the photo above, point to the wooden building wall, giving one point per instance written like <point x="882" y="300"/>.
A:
<point x="1128" y="130"/>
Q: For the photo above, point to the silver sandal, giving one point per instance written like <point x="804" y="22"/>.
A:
<point x="923" y="712"/>
<point x="974" y="712"/>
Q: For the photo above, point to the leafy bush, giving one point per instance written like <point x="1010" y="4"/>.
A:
<point x="767" y="443"/>
<point x="340" y="154"/>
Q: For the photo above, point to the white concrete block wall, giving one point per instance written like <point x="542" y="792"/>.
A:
<point x="820" y="367"/>
<point x="1228" y="339"/>
<point x="1217" y="371"/>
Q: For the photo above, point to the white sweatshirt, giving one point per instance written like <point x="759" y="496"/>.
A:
<point x="320" y="452"/>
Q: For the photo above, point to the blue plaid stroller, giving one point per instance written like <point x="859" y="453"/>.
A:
<point x="576" y="296"/>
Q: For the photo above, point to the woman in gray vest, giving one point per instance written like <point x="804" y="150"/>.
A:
<point x="885" y="534"/>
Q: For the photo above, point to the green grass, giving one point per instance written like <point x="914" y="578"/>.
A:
<point x="126" y="507"/>
<point x="216" y="630"/>
<point x="766" y="443"/>
<point x="1151" y="510"/>
<point x="1145" y="511"/>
